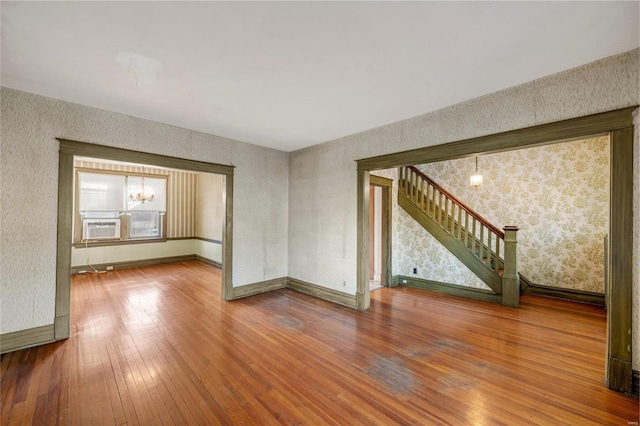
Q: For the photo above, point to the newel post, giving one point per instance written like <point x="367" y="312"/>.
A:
<point x="510" y="277"/>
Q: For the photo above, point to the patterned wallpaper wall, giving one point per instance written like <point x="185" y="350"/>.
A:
<point x="209" y="206"/>
<point x="558" y="195"/>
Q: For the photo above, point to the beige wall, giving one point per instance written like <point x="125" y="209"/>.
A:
<point x="558" y="195"/>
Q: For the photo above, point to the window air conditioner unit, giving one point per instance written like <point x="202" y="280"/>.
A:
<point x="100" y="229"/>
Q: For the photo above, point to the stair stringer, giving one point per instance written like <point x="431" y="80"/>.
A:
<point x="482" y="271"/>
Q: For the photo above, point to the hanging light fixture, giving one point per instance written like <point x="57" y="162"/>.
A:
<point x="142" y="193"/>
<point x="476" y="178"/>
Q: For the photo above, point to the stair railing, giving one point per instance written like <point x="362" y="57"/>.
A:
<point x="480" y="237"/>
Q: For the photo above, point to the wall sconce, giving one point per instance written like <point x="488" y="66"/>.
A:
<point x="476" y="178"/>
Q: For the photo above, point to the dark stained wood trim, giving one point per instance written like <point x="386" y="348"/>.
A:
<point x="446" y="288"/>
<point x="208" y="261"/>
<point x="636" y="382"/>
<point x="567" y="294"/>
<point x="111" y="153"/>
<point x="619" y="321"/>
<point x="322" y="292"/>
<point x="544" y="134"/>
<point x="10" y="342"/>
<point x="380" y="181"/>
<point x="362" y="286"/>
<point x="227" y="239"/>
<point x="259" y="287"/>
<point x="62" y="327"/>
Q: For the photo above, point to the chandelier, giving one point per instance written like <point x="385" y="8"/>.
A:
<point x="476" y="178"/>
<point x="142" y="194"/>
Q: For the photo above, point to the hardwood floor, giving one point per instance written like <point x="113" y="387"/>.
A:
<point x="158" y="346"/>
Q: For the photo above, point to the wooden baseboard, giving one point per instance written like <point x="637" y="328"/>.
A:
<point x="134" y="263"/>
<point x="567" y="294"/>
<point x="322" y="292"/>
<point x="259" y="287"/>
<point x="25" y="338"/>
<point x="208" y="261"/>
<point x="452" y="289"/>
<point x="635" y="377"/>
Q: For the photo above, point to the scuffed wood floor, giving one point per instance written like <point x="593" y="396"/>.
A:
<point x="158" y="346"/>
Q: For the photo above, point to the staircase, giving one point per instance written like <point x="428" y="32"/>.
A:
<point x="487" y="251"/>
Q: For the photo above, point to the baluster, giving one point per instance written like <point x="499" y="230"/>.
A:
<point x="442" y="198"/>
<point x="489" y="233"/>
<point x="473" y="236"/>
<point x="497" y="267"/>
<point x="446" y="213"/>
<point x="459" y="223"/>
<point x="414" y="185"/>
<point x="466" y="229"/>
<point x="422" y="194"/>
<point x="481" y="249"/>
<point x="401" y="172"/>
<point x="433" y="202"/>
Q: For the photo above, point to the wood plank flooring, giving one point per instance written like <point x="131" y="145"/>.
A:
<point x="158" y="346"/>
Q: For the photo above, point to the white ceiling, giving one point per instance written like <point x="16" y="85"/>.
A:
<point x="293" y="74"/>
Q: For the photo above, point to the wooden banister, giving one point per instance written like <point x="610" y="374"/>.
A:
<point x="459" y="203"/>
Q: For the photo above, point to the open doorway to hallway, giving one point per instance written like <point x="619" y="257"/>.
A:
<point x="380" y="232"/>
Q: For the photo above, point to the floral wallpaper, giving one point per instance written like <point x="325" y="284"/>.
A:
<point x="558" y="195"/>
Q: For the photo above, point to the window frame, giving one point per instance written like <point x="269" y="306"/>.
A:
<point x="125" y="238"/>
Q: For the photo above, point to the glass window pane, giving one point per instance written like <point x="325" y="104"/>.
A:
<point x="146" y="194"/>
<point x="100" y="192"/>
<point x="145" y="224"/>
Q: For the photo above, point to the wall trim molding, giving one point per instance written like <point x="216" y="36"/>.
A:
<point x="259" y="287"/>
<point x="446" y="288"/>
<point x="13" y="341"/>
<point x="635" y="377"/>
<point x="208" y="261"/>
<point x="567" y="294"/>
<point x="209" y="240"/>
<point x="135" y="263"/>
<point x="320" y="292"/>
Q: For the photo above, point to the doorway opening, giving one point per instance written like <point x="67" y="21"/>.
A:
<point x="71" y="149"/>
<point x="380" y="232"/>
<point x="619" y="125"/>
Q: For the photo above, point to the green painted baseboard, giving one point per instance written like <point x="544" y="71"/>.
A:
<point x="146" y="262"/>
<point x="568" y="294"/>
<point x="322" y="292"/>
<point x="452" y="289"/>
<point x="259" y="287"/>
<point x="208" y="261"/>
<point x="297" y="285"/>
<point x="24" y="338"/>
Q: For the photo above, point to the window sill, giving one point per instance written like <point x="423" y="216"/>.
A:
<point x="105" y="243"/>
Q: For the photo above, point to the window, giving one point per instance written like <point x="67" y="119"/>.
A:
<point x="112" y="206"/>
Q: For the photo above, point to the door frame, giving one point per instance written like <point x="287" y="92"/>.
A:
<point x="618" y="124"/>
<point x="68" y="150"/>
<point x="386" y="234"/>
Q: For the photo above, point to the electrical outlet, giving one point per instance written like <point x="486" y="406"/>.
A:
<point x="344" y="283"/>
<point x="109" y="268"/>
<point x="415" y="270"/>
<point x="404" y="281"/>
